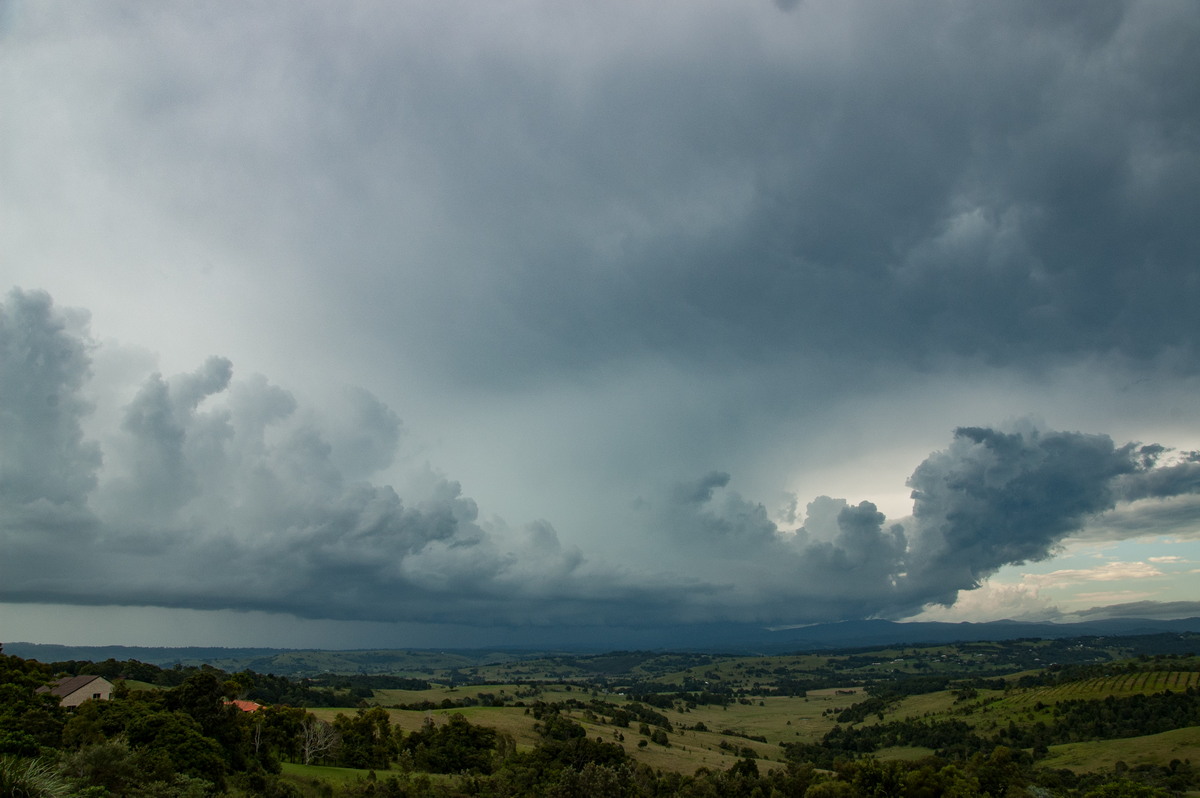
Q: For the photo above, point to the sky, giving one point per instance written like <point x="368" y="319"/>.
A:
<point x="458" y="324"/>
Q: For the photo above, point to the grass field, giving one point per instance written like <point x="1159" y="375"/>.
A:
<point x="1154" y="749"/>
<point x="523" y="692"/>
<point x="916" y="706"/>
<point x="776" y="718"/>
<point x="725" y="731"/>
<point x="313" y="781"/>
<point x="297" y="772"/>
<point x="134" y="684"/>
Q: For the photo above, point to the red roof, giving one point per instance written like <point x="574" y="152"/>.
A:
<point x="246" y="706"/>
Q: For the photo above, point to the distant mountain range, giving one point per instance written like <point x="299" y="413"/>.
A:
<point x="722" y="639"/>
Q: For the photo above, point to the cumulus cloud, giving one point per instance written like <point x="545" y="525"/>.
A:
<point x="994" y="601"/>
<point x="995" y="498"/>
<point x="47" y="468"/>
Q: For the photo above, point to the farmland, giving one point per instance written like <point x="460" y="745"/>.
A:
<point x="720" y="709"/>
<point x="1067" y="714"/>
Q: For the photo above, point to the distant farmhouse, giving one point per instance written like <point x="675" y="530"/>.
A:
<point x="74" y="690"/>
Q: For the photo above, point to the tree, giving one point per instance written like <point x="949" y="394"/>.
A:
<point x="95" y="722"/>
<point x="367" y="739"/>
<point x="1124" y="788"/>
<point x="110" y="765"/>
<point x="830" y="788"/>
<point x="318" y="739"/>
<point x="275" y="733"/>
<point x="172" y="742"/>
<point x="610" y="781"/>
<point x="997" y="771"/>
<point x="29" y="720"/>
<point x="455" y="746"/>
<point x="202" y="696"/>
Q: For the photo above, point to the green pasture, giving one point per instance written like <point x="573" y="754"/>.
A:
<point x="538" y="670"/>
<point x="777" y="718"/>
<point x="1154" y="749"/>
<point x="992" y="709"/>
<point x="687" y="752"/>
<point x="904" y="753"/>
<point x="942" y="702"/>
<point x="311" y="779"/>
<point x="297" y="772"/>
<point x="689" y="749"/>
<point x="789" y="719"/>
<point x="134" y="684"/>
<point x="506" y="720"/>
<point x="510" y="691"/>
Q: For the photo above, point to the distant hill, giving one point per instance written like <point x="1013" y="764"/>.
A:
<point x="856" y="634"/>
<point x="267" y="660"/>
<point x="724" y="639"/>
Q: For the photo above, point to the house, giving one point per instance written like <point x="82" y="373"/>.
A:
<point x="245" y="706"/>
<point x="74" y="690"/>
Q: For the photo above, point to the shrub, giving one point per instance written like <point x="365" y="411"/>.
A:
<point x="30" y="778"/>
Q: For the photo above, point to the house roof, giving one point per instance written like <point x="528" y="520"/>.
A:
<point x="69" y="684"/>
<point x="246" y="706"/>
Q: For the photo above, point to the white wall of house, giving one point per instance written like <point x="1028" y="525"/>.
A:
<point x="99" y="689"/>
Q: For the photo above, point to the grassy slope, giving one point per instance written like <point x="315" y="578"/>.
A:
<point x="1154" y="749"/>
<point x="992" y="709"/>
<point x="134" y="684"/>
<point x="333" y="775"/>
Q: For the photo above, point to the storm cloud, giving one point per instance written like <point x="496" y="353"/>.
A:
<point x="221" y="493"/>
<point x="562" y="312"/>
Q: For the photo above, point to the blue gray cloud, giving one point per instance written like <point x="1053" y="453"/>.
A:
<point x="219" y="493"/>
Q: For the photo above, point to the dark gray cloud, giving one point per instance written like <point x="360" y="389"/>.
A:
<point x="1168" y="480"/>
<point x="986" y="183"/>
<point x="913" y="182"/>
<point x="995" y="498"/>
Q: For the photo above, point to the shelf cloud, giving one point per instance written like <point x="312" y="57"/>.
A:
<point x="220" y="493"/>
